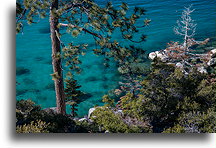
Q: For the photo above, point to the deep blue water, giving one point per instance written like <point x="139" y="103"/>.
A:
<point x="33" y="50"/>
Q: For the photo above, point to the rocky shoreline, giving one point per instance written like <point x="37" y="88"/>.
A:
<point x="162" y="55"/>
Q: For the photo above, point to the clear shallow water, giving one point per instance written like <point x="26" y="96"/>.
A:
<point x="33" y="50"/>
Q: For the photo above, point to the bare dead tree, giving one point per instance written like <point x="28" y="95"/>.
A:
<point x="186" y="26"/>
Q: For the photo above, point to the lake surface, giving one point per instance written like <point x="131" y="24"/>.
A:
<point x="33" y="50"/>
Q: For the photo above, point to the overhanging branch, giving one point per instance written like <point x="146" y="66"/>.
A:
<point x="83" y="29"/>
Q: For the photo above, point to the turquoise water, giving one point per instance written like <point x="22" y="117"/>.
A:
<point x="33" y="51"/>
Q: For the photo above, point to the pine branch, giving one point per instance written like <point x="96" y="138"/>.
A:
<point x="83" y="29"/>
<point x="21" y="16"/>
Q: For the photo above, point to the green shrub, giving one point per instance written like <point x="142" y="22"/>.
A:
<point x="34" y="127"/>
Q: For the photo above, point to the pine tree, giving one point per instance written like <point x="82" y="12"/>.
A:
<point x="72" y="94"/>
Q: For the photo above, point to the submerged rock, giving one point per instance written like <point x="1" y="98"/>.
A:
<point x="39" y="59"/>
<point x="50" y="86"/>
<point x="48" y="62"/>
<point x="34" y="90"/>
<point x="28" y="81"/>
<point x="85" y="96"/>
<point x="91" y="79"/>
<point x="105" y="86"/>
<point x="20" y="92"/>
<point x="40" y="97"/>
<point x="22" y="71"/>
<point x="44" y="30"/>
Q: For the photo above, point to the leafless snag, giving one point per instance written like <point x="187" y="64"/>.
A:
<point x="186" y="26"/>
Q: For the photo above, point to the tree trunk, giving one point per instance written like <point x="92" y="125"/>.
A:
<point x="73" y="110"/>
<point x="186" y="37"/>
<point x="56" y="61"/>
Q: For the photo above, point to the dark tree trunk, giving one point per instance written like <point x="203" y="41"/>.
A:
<point x="73" y="111"/>
<point x="56" y="62"/>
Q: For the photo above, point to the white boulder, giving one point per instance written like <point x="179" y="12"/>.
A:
<point x="159" y="54"/>
<point x="107" y="131"/>
<point x="82" y="119"/>
<point x="152" y="55"/>
<point x="179" y="65"/>
<point x="213" y="52"/>
<point x="91" y="110"/>
<point x="211" y="62"/>
<point x="201" y="69"/>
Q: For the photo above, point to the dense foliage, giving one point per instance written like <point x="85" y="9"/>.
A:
<point x="169" y="101"/>
<point x="28" y="114"/>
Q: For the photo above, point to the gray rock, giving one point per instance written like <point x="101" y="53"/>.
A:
<point x="120" y="112"/>
<point x="51" y="110"/>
